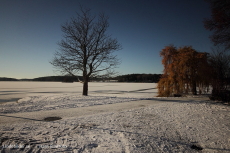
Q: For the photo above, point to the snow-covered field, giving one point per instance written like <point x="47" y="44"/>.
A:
<point x="115" y="117"/>
<point x="12" y="91"/>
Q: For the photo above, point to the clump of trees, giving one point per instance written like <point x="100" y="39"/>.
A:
<point x="139" y="78"/>
<point x="185" y="70"/>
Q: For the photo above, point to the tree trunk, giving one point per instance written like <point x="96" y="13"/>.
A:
<point x="194" y="92"/>
<point x="85" y="86"/>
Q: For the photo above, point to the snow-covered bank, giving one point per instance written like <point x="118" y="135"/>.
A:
<point x="164" y="126"/>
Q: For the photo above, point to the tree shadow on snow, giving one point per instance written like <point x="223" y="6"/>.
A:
<point x="122" y="91"/>
<point x="9" y="100"/>
<point x="20" y="117"/>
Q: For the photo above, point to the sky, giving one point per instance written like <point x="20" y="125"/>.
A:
<point x="31" y="29"/>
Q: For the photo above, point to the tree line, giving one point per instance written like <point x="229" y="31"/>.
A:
<point x="8" y="79"/>
<point x="148" y="78"/>
<point x="153" y="78"/>
<point x="46" y="78"/>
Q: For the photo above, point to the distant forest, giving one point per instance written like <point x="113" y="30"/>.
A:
<point x="148" y="78"/>
<point x="139" y="78"/>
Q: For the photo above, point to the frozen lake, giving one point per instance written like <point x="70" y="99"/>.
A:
<point x="11" y="91"/>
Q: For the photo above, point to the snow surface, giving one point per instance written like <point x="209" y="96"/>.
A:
<point x="13" y="91"/>
<point x="38" y="103"/>
<point x="123" y="118"/>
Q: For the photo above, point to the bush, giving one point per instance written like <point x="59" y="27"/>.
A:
<point x="222" y="95"/>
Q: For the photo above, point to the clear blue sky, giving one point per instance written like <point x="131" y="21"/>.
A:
<point x="30" y="30"/>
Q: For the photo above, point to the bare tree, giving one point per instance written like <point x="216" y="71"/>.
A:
<point x="86" y="47"/>
<point x="220" y="63"/>
<point x="219" y="22"/>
